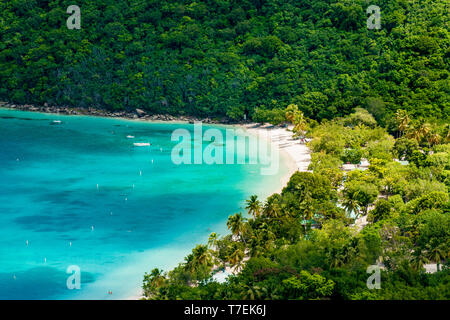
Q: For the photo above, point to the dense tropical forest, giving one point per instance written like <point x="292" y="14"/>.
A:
<point x="304" y="243"/>
<point x="228" y="58"/>
<point x="359" y="94"/>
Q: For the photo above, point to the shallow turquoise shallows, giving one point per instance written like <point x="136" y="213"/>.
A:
<point x="79" y="193"/>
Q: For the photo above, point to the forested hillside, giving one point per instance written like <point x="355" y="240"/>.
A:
<point x="218" y="57"/>
<point x="310" y="240"/>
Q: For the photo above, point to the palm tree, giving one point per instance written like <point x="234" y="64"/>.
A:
<point x="235" y="223"/>
<point x="308" y="210"/>
<point x="413" y="132"/>
<point x="299" y="125"/>
<point x="337" y="258"/>
<point x="351" y="205"/>
<point x="255" y="249"/>
<point x="419" y="130"/>
<point x="419" y="260"/>
<point x="236" y="258"/>
<point x="152" y="282"/>
<point x="157" y="277"/>
<point x="402" y="120"/>
<point x="254" y="292"/>
<point x="201" y="256"/>
<point x="272" y="207"/>
<point x="254" y="206"/>
<point x="437" y="254"/>
<point x="291" y="111"/>
<point x="212" y="240"/>
<point x="433" y="139"/>
<point x="424" y="129"/>
<point x="236" y="255"/>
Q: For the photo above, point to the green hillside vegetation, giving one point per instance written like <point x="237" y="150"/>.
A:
<point x="303" y="243"/>
<point x="228" y="58"/>
<point x="380" y="95"/>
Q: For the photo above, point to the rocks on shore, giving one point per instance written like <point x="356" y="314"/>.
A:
<point x="135" y="114"/>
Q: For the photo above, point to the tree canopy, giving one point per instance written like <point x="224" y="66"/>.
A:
<point x="228" y="58"/>
<point x="308" y="241"/>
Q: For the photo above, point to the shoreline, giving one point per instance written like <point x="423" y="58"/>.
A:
<point x="137" y="114"/>
<point x="295" y="154"/>
<point x="294" y="151"/>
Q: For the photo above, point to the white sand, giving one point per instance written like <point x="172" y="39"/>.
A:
<point x="295" y="150"/>
<point x="299" y="157"/>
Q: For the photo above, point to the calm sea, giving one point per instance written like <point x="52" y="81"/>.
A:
<point x="79" y="193"/>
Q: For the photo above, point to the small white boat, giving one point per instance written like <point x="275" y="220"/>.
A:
<point x="56" y="122"/>
<point x="141" y="144"/>
<point x="130" y="137"/>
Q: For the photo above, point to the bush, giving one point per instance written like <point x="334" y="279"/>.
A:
<point x="433" y="200"/>
<point x="352" y="155"/>
<point x="381" y="211"/>
<point x="404" y="148"/>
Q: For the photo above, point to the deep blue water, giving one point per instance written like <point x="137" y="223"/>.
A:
<point x="79" y="193"/>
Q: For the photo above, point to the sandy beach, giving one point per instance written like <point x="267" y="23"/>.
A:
<point x="296" y="155"/>
<point x="293" y="153"/>
<point x="296" y="152"/>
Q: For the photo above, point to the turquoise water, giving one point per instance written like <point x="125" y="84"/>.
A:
<point x="79" y="193"/>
